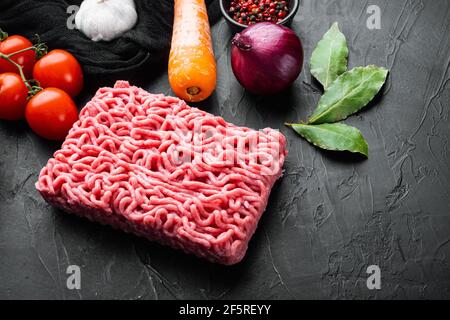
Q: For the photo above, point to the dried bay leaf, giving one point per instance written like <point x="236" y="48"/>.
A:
<point x="329" y="58"/>
<point x="349" y="93"/>
<point x="333" y="136"/>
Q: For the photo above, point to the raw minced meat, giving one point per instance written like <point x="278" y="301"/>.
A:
<point x="153" y="166"/>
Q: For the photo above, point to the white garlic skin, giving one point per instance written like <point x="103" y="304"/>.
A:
<point x="105" y="20"/>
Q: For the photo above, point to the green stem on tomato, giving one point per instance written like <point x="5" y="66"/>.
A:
<point x="40" y="49"/>
<point x="32" y="90"/>
<point x="18" y="66"/>
<point x="20" y="51"/>
<point x="3" y="35"/>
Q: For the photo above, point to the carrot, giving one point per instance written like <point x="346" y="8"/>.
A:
<point x="192" y="67"/>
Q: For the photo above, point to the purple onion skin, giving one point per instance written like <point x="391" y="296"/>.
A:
<point x="266" y="58"/>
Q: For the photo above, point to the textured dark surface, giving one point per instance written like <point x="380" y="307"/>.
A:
<point x="331" y="215"/>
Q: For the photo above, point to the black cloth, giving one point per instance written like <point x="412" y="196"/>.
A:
<point x="147" y="43"/>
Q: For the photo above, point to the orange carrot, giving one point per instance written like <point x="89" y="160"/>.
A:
<point x="192" y="67"/>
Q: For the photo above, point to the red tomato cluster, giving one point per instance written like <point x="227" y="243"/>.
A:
<point x="49" y="109"/>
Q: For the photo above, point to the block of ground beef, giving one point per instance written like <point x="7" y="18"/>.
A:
<point x="153" y="166"/>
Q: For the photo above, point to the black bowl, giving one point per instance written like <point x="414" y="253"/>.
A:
<point x="237" y="27"/>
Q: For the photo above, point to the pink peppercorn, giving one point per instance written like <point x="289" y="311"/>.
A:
<point x="253" y="11"/>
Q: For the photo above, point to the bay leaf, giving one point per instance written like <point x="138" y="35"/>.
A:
<point x="349" y="93"/>
<point x="329" y="58"/>
<point x="333" y="136"/>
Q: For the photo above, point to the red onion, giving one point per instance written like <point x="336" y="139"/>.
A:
<point x="266" y="57"/>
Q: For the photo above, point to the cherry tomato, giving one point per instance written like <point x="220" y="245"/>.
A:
<point x="26" y="59"/>
<point x="51" y="113"/>
<point x="13" y="96"/>
<point x="59" y="69"/>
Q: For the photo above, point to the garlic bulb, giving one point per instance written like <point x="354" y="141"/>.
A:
<point x="105" y="19"/>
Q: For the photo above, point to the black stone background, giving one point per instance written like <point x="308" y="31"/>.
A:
<point x="330" y="216"/>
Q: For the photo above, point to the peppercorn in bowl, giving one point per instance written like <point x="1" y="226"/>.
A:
<point x="242" y="13"/>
